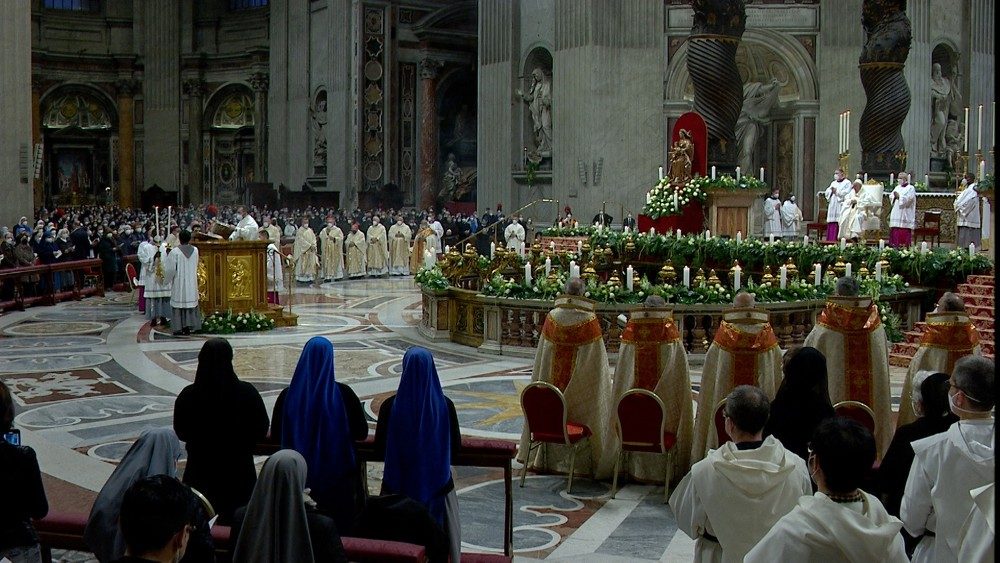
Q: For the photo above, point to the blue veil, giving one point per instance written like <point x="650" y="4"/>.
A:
<point x="315" y="425"/>
<point x="418" y="444"/>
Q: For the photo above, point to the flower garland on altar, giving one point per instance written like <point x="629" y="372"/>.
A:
<point x="666" y="199"/>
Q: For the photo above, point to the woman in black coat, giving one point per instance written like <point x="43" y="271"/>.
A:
<point x="23" y="496"/>
<point x="802" y="401"/>
<point x="220" y="419"/>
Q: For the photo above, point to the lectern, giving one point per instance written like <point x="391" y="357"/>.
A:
<point x="232" y="276"/>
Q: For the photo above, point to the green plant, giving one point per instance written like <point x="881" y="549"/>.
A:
<point x="229" y="323"/>
<point x="431" y="278"/>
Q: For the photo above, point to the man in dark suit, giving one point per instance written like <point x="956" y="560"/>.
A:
<point x="602" y="218"/>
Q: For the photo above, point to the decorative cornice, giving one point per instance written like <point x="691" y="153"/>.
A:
<point x="127" y="87"/>
<point x="260" y="81"/>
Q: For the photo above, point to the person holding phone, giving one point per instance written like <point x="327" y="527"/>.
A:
<point x="23" y="494"/>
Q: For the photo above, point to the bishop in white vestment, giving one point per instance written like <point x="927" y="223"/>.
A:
<point x="399" y="248"/>
<point x="378" y="249"/>
<point x="304" y="253"/>
<point x="357" y="250"/>
<point x="332" y="245"/>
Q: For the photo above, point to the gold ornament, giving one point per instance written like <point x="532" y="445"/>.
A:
<point x="699" y="278"/>
<point x="768" y="278"/>
<point x="614" y="280"/>
<point x="667" y="273"/>
<point x="863" y="271"/>
<point x="629" y="245"/>
<point x="713" y="279"/>
<point x="839" y="267"/>
<point x="791" y="269"/>
<point x="590" y="273"/>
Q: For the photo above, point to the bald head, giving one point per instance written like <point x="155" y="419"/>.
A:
<point x="575" y="287"/>
<point x="847" y="287"/>
<point x="654" y="301"/>
<point x="950" y="303"/>
<point x="743" y="300"/>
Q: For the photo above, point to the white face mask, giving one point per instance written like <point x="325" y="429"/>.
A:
<point x="238" y="217"/>
<point x="267" y="223"/>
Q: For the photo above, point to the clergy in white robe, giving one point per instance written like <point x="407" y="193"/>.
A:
<point x="835" y="194"/>
<point x="272" y="230"/>
<point x="903" y="217"/>
<point x="378" y="249"/>
<point x="246" y="226"/>
<point x="514" y="235"/>
<point x="744" y="351"/>
<point x="304" y="253"/>
<point x="273" y="270"/>
<point x="948" y="336"/>
<point x="791" y="218"/>
<point x="840" y="523"/>
<point x="356" y="255"/>
<point x="331" y="240"/>
<point x="946" y="466"/>
<point x="850" y="334"/>
<point x="736" y="494"/>
<point x="571" y="355"/>
<point x="851" y="214"/>
<point x="772" y="215"/>
<point x="181" y="270"/>
<point x="967" y="216"/>
<point x="157" y="288"/>
<point x="975" y="540"/>
<point x="438" y="232"/>
<point x="652" y="357"/>
<point x="399" y="248"/>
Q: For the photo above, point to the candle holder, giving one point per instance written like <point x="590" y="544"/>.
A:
<point x="667" y="273"/>
<point x="901" y="157"/>
<point x="844" y="160"/>
<point x="962" y="157"/>
<point x="636" y="280"/>
<point x="885" y="264"/>
<point x="767" y="278"/>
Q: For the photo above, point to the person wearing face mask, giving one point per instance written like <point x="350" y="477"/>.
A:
<point x="246" y="226"/>
<point x="967" y="214"/>
<point x="772" y="214"/>
<point x="378" y="249"/>
<point x="273" y="231"/>
<point x="514" y="234"/>
<point x="357" y="251"/>
<point x="835" y="194"/>
<point x="947" y="466"/>
<point x="399" y="248"/>
<point x="902" y="218"/>
<point x="22" y="227"/>
<point x="25" y="256"/>
<point x="331" y="240"/>
<point x="840" y="522"/>
<point x="8" y="259"/>
<point x="304" y="253"/>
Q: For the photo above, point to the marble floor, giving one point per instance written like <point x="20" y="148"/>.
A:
<point x="89" y="376"/>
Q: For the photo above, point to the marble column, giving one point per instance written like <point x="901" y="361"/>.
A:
<point x="195" y="89"/>
<point x="259" y="82"/>
<point x="126" y="88"/>
<point x="37" y="184"/>
<point x="428" y="132"/>
<point x="15" y="111"/>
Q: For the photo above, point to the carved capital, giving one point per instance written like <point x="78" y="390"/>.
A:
<point x="195" y="87"/>
<point x="37" y="84"/>
<point x="126" y="87"/>
<point x="719" y="17"/>
<point x="429" y="68"/>
<point x="260" y="81"/>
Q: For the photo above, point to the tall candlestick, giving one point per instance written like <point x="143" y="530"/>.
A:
<point x="847" y="269"/>
<point x="527" y="275"/>
<point x="966" y="133"/>
<point x="661" y="172"/>
<point x="169" y="209"/>
<point x="783" y="276"/>
<point x="817" y="274"/>
<point x="687" y="276"/>
<point x="979" y="130"/>
<point x="156" y="210"/>
<point x="713" y="172"/>
<point x="737" y="173"/>
<point x="628" y="278"/>
<point x="761" y="173"/>
<point x="548" y="266"/>
<point x="847" y="133"/>
<point x="737" y="275"/>
<point x="878" y="271"/>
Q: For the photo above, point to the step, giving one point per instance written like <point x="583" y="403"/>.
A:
<point x="981" y="280"/>
<point x="912" y="336"/>
<point x="982" y="323"/>
<point x="975" y="289"/>
<point x="899" y="360"/>
<point x="979" y="311"/>
<point x="985" y="301"/>
<point x="905" y="348"/>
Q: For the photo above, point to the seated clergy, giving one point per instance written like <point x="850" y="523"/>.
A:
<point x="571" y="355"/>
<point x="744" y="352"/>
<point x="652" y="357"/>
<point x="748" y="476"/>
<point x="840" y="522"/>
<point x="948" y="336"/>
<point x="850" y="334"/>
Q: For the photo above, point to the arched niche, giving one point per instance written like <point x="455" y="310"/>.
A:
<point x="949" y="57"/>
<point x="457" y="141"/>
<point x="539" y="56"/>
<point x="318" y="131"/>
<point x="229" y="123"/>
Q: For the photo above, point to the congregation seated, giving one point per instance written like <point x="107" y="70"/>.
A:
<point x="220" y="419"/>
<point x="23" y="496"/>
<point x="321" y="419"/>
<point x="281" y="523"/>
<point x="948" y="466"/>
<point x="802" y="401"/>
<point x="840" y="522"/>
<point x="747" y="476"/>
<point x="156" y="521"/>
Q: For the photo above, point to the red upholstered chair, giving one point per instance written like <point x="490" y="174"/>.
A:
<point x="545" y="414"/>
<point x="858" y="412"/>
<point x="133" y="279"/>
<point x="720" y="422"/>
<point x="642" y="428"/>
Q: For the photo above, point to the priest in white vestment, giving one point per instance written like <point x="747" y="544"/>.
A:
<point x="736" y="494"/>
<point x="378" y="249"/>
<point x="246" y="226"/>
<point x="180" y="268"/>
<point x="850" y="334"/>
<point x="514" y="235"/>
<point x="304" y="253"/>
<point x="399" y="247"/>
<point x="835" y="194"/>
<point x="967" y="216"/>
<point x="157" y="288"/>
<point x="946" y="466"/>
<point x="948" y="336"/>
<point x="840" y="523"/>
<point x="438" y="232"/>
<point x="355" y="257"/>
<point x="331" y="240"/>
<point x="903" y="217"/>
<point x="791" y="218"/>
<point x="652" y="357"/>
<point x="852" y="214"/>
<point x="772" y="214"/>
<point x="975" y="540"/>
<point x="572" y="356"/>
<point x="744" y="351"/>
<point x="272" y="230"/>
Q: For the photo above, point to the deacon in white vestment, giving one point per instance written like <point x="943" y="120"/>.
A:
<point x="903" y="217"/>
<point x="772" y="215"/>
<point x="744" y="351"/>
<point x="246" y="226"/>
<point x="850" y="334"/>
<point x="378" y="249"/>
<point x="791" y="218"/>
<point x="967" y="216"/>
<point x="975" y="540"/>
<point x="157" y="288"/>
<point x="399" y="248"/>
<point x="304" y="253"/>
<point x="652" y="357"/>
<point x="851" y="214"/>
<point x="181" y="269"/>
<point x="514" y="235"/>
<point x="736" y="494"/>
<point x="357" y="250"/>
<point x="572" y="356"/>
<point x="272" y="230"/>
<point x="946" y="466"/>
<point x="332" y="245"/>
<point x="840" y="523"/>
<point x="835" y="194"/>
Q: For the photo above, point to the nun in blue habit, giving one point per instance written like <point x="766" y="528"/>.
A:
<point x="419" y="428"/>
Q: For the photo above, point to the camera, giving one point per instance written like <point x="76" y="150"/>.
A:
<point x="13" y="437"/>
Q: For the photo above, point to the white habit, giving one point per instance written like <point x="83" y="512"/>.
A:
<point x="975" y="541"/>
<point x="904" y="209"/>
<point x="835" y="194"/>
<point x="772" y="217"/>
<point x="246" y="229"/>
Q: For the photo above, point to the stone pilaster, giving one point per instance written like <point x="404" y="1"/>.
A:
<point x="259" y="82"/>
<point x="916" y="129"/>
<point x="37" y="87"/>
<point x="497" y="68"/>
<point x="981" y="85"/>
<point x="15" y="110"/>
<point x="161" y="94"/>
<point x="428" y="132"/>
<point x="126" y="89"/>
<point x="195" y="89"/>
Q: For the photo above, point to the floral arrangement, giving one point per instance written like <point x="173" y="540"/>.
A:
<point x="228" y="323"/>
<point x="660" y="201"/>
<point x="431" y="278"/>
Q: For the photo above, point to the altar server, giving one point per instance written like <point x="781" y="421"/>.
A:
<point x="967" y="214"/>
<point x="275" y="273"/>
<point x="157" y="289"/>
<point x="903" y="217"/>
<point x="791" y="217"/>
<point x="399" y="248"/>
<point x="332" y="244"/>
<point x="181" y="270"/>
<point x="835" y="194"/>
<point x="514" y="235"/>
<point x="304" y="253"/>
<point x="975" y="541"/>
<point x="772" y="214"/>
<point x="357" y="249"/>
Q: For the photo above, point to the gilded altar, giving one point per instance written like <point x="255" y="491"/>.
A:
<point x="232" y="276"/>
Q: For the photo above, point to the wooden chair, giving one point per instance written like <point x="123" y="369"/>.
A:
<point x="819" y="227"/>
<point x="642" y="428"/>
<point x="545" y="415"/>
<point x="931" y="227"/>
<point x="720" y="422"/>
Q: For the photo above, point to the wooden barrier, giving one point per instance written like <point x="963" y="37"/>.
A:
<point x="46" y="291"/>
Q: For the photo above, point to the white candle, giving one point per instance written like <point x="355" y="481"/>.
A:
<point x="447" y="249"/>
<point x="552" y="245"/>
<point x="713" y="172"/>
<point x="761" y="173"/>
<point x="661" y="172"/>
<point x="548" y="266"/>
<point x="737" y="275"/>
<point x="493" y="249"/>
<point x="840" y="133"/>
<point x="843" y="243"/>
<point x="979" y="136"/>
<point x="982" y="168"/>
<point x="805" y="239"/>
<point x="927" y="180"/>
<point x="972" y="250"/>
<point x="169" y="209"/>
<point x="652" y="231"/>
<point x="924" y="248"/>
<point x="527" y="275"/>
<point x="866" y="177"/>
<point x="847" y="269"/>
<point x="428" y="259"/>
<point x="739" y="237"/>
<point x="770" y="238"/>
<point x="817" y="274"/>
<point x="892" y="178"/>
<point x="783" y="276"/>
<point x="572" y="269"/>
<point x="878" y="271"/>
<point x="678" y="233"/>
<point x="627" y="230"/>
<point x="708" y="234"/>
<point x="676" y="205"/>
<point x="687" y="276"/>
<point x="881" y="245"/>
<point x="579" y="247"/>
<point x="649" y="197"/>
<point x="156" y="210"/>
<point x="847" y="133"/>
<point x="966" y="133"/>
<point x="628" y="277"/>
<point x="737" y="173"/>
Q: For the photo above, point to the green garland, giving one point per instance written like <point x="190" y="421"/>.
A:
<point x="228" y="323"/>
<point x="432" y="279"/>
<point x="660" y="202"/>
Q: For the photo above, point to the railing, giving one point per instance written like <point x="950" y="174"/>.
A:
<point x="87" y="279"/>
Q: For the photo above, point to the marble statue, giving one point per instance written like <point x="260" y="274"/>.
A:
<point x="954" y="142"/>
<point x="758" y="99"/>
<point x="539" y="100"/>
<point x="450" y="178"/>
<point x="319" y="133"/>
<point x="941" y="94"/>
<point x="681" y="156"/>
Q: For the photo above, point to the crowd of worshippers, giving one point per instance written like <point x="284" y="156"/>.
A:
<point x="814" y="467"/>
<point x="307" y="496"/>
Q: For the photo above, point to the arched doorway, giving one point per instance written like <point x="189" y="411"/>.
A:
<point x="229" y="140"/>
<point x="79" y="134"/>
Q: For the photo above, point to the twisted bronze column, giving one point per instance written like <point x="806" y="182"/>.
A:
<point x="718" y="89"/>
<point x="887" y="44"/>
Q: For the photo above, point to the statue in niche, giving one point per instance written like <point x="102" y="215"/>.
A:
<point x="539" y="100"/>
<point x="318" y="115"/>
<point x="941" y="96"/>
<point x="451" y="175"/>
<point x="758" y="99"/>
<point x="954" y="142"/>
<point x="681" y="157"/>
<point x="462" y="129"/>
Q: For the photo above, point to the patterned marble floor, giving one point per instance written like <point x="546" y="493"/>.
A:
<point x="89" y="376"/>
